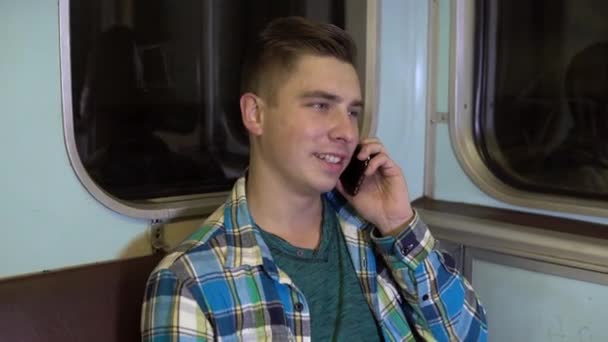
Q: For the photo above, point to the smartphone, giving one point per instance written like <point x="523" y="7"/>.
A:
<point x="353" y="175"/>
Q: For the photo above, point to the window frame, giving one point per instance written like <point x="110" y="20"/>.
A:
<point x="200" y="204"/>
<point x="461" y="126"/>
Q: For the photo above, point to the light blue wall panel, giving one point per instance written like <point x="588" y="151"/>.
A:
<point x="403" y="83"/>
<point x="47" y="219"/>
<point x="531" y="306"/>
<point x="443" y="56"/>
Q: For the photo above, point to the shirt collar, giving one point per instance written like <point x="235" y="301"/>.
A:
<point x="346" y="213"/>
<point x="244" y="242"/>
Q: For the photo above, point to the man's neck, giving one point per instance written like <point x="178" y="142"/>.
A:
<point x="279" y="209"/>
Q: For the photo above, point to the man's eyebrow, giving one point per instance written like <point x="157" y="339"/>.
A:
<point x="328" y="96"/>
<point x="357" y="103"/>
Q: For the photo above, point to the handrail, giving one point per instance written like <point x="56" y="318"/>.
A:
<point x="586" y="250"/>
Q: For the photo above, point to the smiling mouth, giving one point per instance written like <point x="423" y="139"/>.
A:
<point x="330" y="158"/>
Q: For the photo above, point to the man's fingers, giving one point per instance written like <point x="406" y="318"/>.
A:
<point x="377" y="162"/>
<point x="370" y="147"/>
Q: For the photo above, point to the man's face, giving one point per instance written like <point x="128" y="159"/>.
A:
<point x="310" y="131"/>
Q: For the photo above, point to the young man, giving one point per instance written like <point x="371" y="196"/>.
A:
<point x="290" y="256"/>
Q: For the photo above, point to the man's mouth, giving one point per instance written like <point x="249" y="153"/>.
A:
<point x="330" y="158"/>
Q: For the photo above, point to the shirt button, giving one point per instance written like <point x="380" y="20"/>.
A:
<point x="407" y="248"/>
<point x="300" y="253"/>
<point x="299" y="307"/>
<point x="425" y="297"/>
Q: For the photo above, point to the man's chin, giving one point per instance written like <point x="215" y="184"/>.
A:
<point x="322" y="184"/>
<point x="327" y="187"/>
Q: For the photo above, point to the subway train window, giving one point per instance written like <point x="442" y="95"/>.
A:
<point x="541" y="94"/>
<point x="154" y="89"/>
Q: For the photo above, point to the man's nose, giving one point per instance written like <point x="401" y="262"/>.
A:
<point x="344" y="127"/>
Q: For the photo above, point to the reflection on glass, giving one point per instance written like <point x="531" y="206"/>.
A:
<point x="542" y="94"/>
<point x="155" y="87"/>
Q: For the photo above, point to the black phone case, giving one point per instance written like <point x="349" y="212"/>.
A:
<point x="353" y="176"/>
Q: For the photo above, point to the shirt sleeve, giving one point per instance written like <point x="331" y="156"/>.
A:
<point x="432" y="285"/>
<point x="170" y="313"/>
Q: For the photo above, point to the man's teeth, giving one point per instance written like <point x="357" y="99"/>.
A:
<point x="329" y="158"/>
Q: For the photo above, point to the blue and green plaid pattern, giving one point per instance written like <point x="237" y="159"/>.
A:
<point x="222" y="284"/>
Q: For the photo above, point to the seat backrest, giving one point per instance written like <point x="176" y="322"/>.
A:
<point x="100" y="302"/>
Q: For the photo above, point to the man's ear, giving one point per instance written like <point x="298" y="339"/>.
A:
<point x="251" y="113"/>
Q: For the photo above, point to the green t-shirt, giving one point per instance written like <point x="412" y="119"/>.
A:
<point x="327" y="278"/>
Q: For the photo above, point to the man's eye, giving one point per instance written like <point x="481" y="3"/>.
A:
<point x="320" y="106"/>
<point x="354" y="113"/>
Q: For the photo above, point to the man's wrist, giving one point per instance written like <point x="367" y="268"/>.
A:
<point x="395" y="228"/>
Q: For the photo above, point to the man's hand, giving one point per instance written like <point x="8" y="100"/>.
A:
<point x="383" y="196"/>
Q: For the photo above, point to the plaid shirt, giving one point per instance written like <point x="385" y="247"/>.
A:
<point x="222" y="284"/>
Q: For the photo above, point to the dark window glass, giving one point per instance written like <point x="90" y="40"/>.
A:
<point x="155" y="88"/>
<point x="541" y="94"/>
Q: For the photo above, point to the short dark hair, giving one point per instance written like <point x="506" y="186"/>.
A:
<point x="279" y="46"/>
